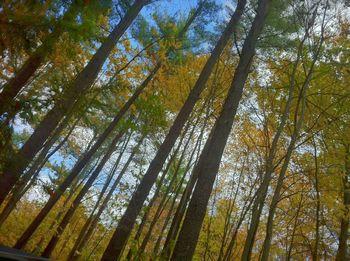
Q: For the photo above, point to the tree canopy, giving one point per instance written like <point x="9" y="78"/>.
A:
<point x="175" y="129"/>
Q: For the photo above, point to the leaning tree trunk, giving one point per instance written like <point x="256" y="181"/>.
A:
<point x="177" y="193"/>
<point x="298" y="125"/>
<point x="262" y="190"/>
<point x="14" y="167"/>
<point x="13" y="87"/>
<point x="66" y="219"/>
<point x="90" y="226"/>
<point x="209" y="162"/>
<point x="315" y="252"/>
<point x="157" y="191"/>
<point x="345" y="223"/>
<point x="180" y="210"/>
<point x="26" y="182"/>
<point x="276" y="195"/>
<point x="164" y="199"/>
<point x="23" y="240"/>
<point x="83" y="161"/>
<point x="295" y="226"/>
<point x="126" y="223"/>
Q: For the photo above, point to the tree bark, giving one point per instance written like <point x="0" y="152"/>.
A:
<point x="209" y="162"/>
<point x="290" y="248"/>
<point x="126" y="223"/>
<point x="315" y="253"/>
<point x="342" y="253"/>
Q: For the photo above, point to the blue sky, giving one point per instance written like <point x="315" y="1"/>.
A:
<point x="174" y="6"/>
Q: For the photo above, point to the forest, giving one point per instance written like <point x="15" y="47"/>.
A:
<point x="175" y="129"/>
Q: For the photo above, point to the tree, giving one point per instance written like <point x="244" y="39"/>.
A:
<point x="11" y="172"/>
<point x="122" y="233"/>
<point x="11" y="89"/>
<point x="209" y="165"/>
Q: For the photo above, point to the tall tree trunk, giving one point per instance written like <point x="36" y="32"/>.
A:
<point x="229" y="211"/>
<point x="14" y="167"/>
<point x="298" y="125"/>
<point x="145" y="217"/>
<point x="177" y="192"/>
<point x="290" y="248"/>
<point x="40" y="160"/>
<point x="26" y="182"/>
<point x="90" y="226"/>
<point x="178" y="217"/>
<point x="179" y="36"/>
<point x="199" y="140"/>
<point x="343" y="250"/>
<point x="164" y="199"/>
<point x="180" y="210"/>
<point x="126" y="223"/>
<point x="65" y="221"/>
<point x="23" y="240"/>
<point x="157" y="191"/>
<point x="315" y="253"/>
<point x="209" y="162"/>
<point x="12" y="88"/>
<point x="262" y="190"/>
<point x="281" y="177"/>
<point x="84" y="161"/>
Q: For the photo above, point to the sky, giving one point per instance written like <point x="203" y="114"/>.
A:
<point x="174" y="6"/>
